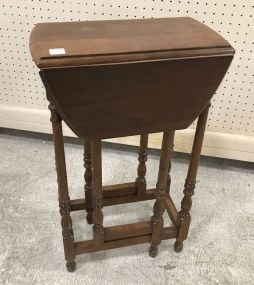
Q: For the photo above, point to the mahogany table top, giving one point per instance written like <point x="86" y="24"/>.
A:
<point x="127" y="77"/>
<point x="88" y="42"/>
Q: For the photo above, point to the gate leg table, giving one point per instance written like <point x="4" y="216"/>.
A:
<point x="108" y="79"/>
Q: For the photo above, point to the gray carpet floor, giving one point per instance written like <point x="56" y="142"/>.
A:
<point x="219" y="250"/>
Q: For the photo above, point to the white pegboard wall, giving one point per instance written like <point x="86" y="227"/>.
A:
<point x="232" y="107"/>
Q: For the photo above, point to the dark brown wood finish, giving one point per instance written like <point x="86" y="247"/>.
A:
<point x="171" y="149"/>
<point x="98" y="230"/>
<point x="190" y="182"/>
<point x="160" y="194"/>
<point x="141" y="180"/>
<point x="171" y="209"/>
<point x="123" y="40"/>
<point x="87" y="246"/>
<point x="119" y="63"/>
<point x="63" y="195"/>
<point x="120" y="78"/>
<point x="88" y="180"/>
<point x="123" y="87"/>
<point x="80" y="204"/>
<point x="118" y="190"/>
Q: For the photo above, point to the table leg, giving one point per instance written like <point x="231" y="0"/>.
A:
<point x="184" y="214"/>
<point x="160" y="194"/>
<point x="63" y="195"/>
<point x="141" y="180"/>
<point x="88" y="180"/>
<point x="97" y="197"/>
<point x="171" y="145"/>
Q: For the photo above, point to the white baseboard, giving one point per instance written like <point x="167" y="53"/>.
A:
<point x="215" y="144"/>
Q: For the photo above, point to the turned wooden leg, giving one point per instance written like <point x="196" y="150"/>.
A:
<point x="171" y="145"/>
<point x="64" y="200"/>
<point x="141" y="180"/>
<point x="97" y="198"/>
<point x="184" y="214"/>
<point x="160" y="194"/>
<point x="88" y="180"/>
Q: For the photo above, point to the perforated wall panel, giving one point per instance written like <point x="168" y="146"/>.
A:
<point x="233" y="105"/>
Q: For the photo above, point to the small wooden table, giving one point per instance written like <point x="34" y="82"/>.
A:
<point x="109" y="79"/>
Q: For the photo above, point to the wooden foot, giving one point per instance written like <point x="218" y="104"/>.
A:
<point x="88" y="180"/>
<point x="153" y="251"/>
<point x="178" y="246"/>
<point x="71" y="265"/>
<point x="189" y="186"/>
